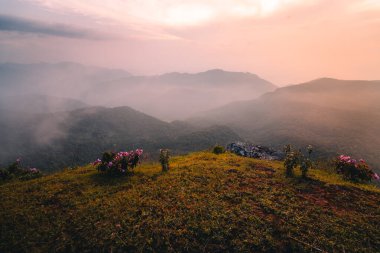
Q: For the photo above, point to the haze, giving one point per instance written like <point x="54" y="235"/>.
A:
<point x="283" y="41"/>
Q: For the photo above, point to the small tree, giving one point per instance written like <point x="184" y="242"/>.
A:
<point x="296" y="158"/>
<point x="218" y="149"/>
<point x="291" y="160"/>
<point x="306" y="163"/>
<point x="164" y="159"/>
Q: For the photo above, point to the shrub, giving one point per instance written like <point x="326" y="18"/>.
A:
<point x="15" y="170"/>
<point x="30" y="173"/>
<point x="4" y="174"/>
<point x="218" y="149"/>
<point x="296" y="158"/>
<point x="354" y="170"/>
<point x="118" y="163"/>
<point x="15" y="167"/>
<point x="164" y="159"/>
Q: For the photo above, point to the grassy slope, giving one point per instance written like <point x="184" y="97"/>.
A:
<point x="204" y="203"/>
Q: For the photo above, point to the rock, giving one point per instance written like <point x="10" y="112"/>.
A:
<point x="255" y="151"/>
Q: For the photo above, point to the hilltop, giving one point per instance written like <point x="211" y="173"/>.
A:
<point x="206" y="202"/>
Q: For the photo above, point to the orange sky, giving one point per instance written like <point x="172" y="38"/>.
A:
<point x="283" y="41"/>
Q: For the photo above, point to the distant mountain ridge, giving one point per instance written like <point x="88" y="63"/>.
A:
<point x="218" y="77"/>
<point x="175" y="95"/>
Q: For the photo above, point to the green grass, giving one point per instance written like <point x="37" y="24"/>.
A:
<point x="205" y="203"/>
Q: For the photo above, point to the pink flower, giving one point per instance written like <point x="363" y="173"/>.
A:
<point x="344" y="158"/>
<point x="139" y="151"/>
<point x="375" y="176"/>
<point x="97" y="162"/>
<point x="110" y="164"/>
<point x="362" y="161"/>
<point x="121" y="155"/>
<point x="33" y="170"/>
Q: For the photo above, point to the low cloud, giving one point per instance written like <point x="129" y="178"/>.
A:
<point x="16" y="24"/>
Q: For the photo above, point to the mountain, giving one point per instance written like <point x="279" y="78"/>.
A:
<point x="51" y="141"/>
<point x="204" y="203"/>
<point x="176" y="96"/>
<point x="65" y="79"/>
<point x="335" y="116"/>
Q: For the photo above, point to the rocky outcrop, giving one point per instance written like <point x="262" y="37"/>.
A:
<point x="255" y="151"/>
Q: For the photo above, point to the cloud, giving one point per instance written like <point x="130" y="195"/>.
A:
<point x="172" y="12"/>
<point x="17" y="24"/>
<point x="154" y="19"/>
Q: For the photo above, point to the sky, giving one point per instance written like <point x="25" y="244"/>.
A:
<point x="283" y="41"/>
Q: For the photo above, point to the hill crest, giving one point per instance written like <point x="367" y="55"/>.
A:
<point x="238" y="204"/>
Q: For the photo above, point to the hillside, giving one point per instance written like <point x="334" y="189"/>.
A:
<point x="205" y="203"/>
<point x="56" y="140"/>
<point x="335" y="116"/>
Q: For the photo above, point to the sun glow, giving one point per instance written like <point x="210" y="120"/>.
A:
<point x="188" y="14"/>
<point x="269" y="6"/>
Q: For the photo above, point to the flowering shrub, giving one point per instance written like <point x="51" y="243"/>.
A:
<point x="15" y="170"/>
<point x="118" y="163"/>
<point x="354" y="170"/>
<point x="164" y="159"/>
<point x="30" y="173"/>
